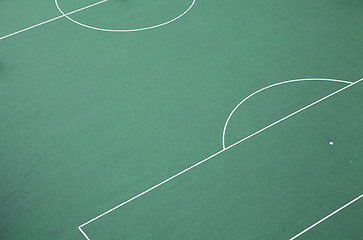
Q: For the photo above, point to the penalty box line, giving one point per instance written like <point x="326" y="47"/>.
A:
<point x="51" y="20"/>
<point x="213" y="155"/>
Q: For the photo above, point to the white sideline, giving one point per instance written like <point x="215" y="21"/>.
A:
<point x="325" y="218"/>
<point x="51" y="20"/>
<point x="84" y="234"/>
<point x="213" y="155"/>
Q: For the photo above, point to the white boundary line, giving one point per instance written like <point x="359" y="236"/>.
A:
<point x="51" y="20"/>
<point x="213" y="155"/>
<point x="325" y="218"/>
<point x="270" y="86"/>
<point x="124" y="30"/>
<point x="84" y="234"/>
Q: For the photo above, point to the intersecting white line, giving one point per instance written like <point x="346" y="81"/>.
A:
<point x="325" y="218"/>
<point x="126" y="30"/>
<point x="270" y="86"/>
<point x="53" y="19"/>
<point x="213" y="155"/>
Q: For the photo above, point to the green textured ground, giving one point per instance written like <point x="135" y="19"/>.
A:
<point x="89" y="119"/>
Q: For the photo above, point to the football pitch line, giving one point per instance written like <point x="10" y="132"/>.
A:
<point x="271" y="86"/>
<point x="125" y="30"/>
<point x="66" y="15"/>
<point x="325" y="218"/>
<point x="223" y="150"/>
<point x="53" y="19"/>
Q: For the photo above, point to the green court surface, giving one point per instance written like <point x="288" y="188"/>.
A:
<point x="188" y="129"/>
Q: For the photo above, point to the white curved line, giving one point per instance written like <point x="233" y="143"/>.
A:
<point x="124" y="30"/>
<point x="270" y="86"/>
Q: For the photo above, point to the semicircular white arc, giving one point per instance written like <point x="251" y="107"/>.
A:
<point x="267" y="87"/>
<point x="122" y="30"/>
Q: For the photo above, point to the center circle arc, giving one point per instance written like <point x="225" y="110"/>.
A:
<point x="122" y="30"/>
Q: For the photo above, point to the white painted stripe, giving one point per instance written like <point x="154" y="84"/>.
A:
<point x="325" y="218"/>
<point x="84" y="234"/>
<point x="51" y="20"/>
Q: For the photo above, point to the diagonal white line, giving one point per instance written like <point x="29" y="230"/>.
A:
<point x="215" y="154"/>
<point x="84" y="234"/>
<point x="51" y="20"/>
<point x="325" y="218"/>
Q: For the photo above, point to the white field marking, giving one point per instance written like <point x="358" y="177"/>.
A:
<point x="325" y="218"/>
<point x="213" y="155"/>
<point x="125" y="30"/>
<point x="84" y="234"/>
<point x="51" y="20"/>
<point x="270" y="86"/>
